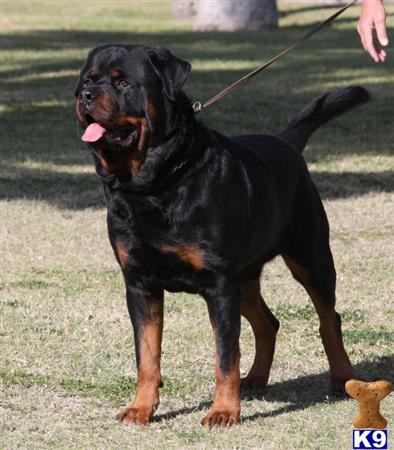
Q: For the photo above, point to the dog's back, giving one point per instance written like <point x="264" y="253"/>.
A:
<point x="278" y="179"/>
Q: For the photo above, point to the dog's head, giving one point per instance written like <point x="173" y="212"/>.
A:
<point x="126" y="96"/>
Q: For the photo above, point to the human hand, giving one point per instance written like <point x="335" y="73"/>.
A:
<point x="373" y="16"/>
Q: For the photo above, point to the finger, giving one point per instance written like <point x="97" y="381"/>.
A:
<point x="382" y="56"/>
<point x="368" y="44"/>
<point x="365" y="29"/>
<point x="381" y="32"/>
<point x="362" y="40"/>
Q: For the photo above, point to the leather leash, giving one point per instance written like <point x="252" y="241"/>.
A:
<point x="197" y="106"/>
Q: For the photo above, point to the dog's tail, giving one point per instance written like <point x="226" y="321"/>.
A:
<point x="321" y="110"/>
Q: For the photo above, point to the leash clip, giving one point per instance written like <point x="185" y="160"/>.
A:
<point x="197" y="107"/>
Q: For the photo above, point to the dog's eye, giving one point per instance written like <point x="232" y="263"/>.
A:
<point x="123" y="83"/>
<point x="87" y="83"/>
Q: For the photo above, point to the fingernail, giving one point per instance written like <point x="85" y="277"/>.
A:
<point x="384" y="41"/>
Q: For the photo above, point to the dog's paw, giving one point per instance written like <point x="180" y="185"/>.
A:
<point x="337" y="386"/>
<point x="338" y="380"/>
<point x="250" y="383"/>
<point x="220" y="418"/>
<point x="132" y="415"/>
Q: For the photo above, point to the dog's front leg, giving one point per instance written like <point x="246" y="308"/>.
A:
<point x="146" y="312"/>
<point x="224" y="312"/>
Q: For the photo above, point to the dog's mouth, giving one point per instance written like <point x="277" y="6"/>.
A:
<point x="121" y="136"/>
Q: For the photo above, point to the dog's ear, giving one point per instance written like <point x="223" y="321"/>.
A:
<point x="172" y="71"/>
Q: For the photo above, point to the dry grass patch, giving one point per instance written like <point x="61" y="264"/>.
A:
<point x="67" y="362"/>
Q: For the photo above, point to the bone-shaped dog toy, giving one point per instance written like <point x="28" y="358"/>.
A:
<point x="369" y="396"/>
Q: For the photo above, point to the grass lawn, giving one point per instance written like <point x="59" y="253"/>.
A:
<point x="67" y="357"/>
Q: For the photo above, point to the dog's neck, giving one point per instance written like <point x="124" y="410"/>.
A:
<point x="151" y="169"/>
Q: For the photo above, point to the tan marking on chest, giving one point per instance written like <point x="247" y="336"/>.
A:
<point x="190" y="254"/>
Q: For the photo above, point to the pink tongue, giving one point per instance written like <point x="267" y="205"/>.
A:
<point x="93" y="133"/>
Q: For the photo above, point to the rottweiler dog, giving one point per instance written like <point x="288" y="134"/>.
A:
<point x="192" y="210"/>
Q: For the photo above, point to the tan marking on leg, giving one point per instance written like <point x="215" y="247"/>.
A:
<point x="254" y="309"/>
<point x="225" y="410"/>
<point x="330" y="332"/>
<point x="298" y="272"/>
<point x="149" y="378"/>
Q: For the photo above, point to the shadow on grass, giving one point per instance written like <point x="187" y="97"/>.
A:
<point x="333" y="185"/>
<point x="85" y="39"/>
<point x="241" y="45"/>
<point x="79" y="191"/>
<point x="38" y="123"/>
<point x="39" y="92"/>
<point x="64" y="190"/>
<point x="299" y="393"/>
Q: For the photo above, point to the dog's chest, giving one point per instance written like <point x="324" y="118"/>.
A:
<point x="148" y="239"/>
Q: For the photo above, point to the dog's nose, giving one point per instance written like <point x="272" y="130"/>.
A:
<point x="87" y="97"/>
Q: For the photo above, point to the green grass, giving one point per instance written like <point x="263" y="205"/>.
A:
<point x="67" y="361"/>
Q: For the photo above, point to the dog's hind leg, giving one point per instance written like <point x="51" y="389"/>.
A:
<point x="309" y="259"/>
<point x="265" y="326"/>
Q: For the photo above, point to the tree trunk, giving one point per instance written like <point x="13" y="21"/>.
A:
<point x="182" y="9"/>
<point x="232" y="15"/>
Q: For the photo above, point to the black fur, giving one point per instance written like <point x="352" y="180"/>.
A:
<point x="204" y="212"/>
<point x="320" y="111"/>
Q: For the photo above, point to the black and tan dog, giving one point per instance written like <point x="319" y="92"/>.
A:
<point x="192" y="210"/>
